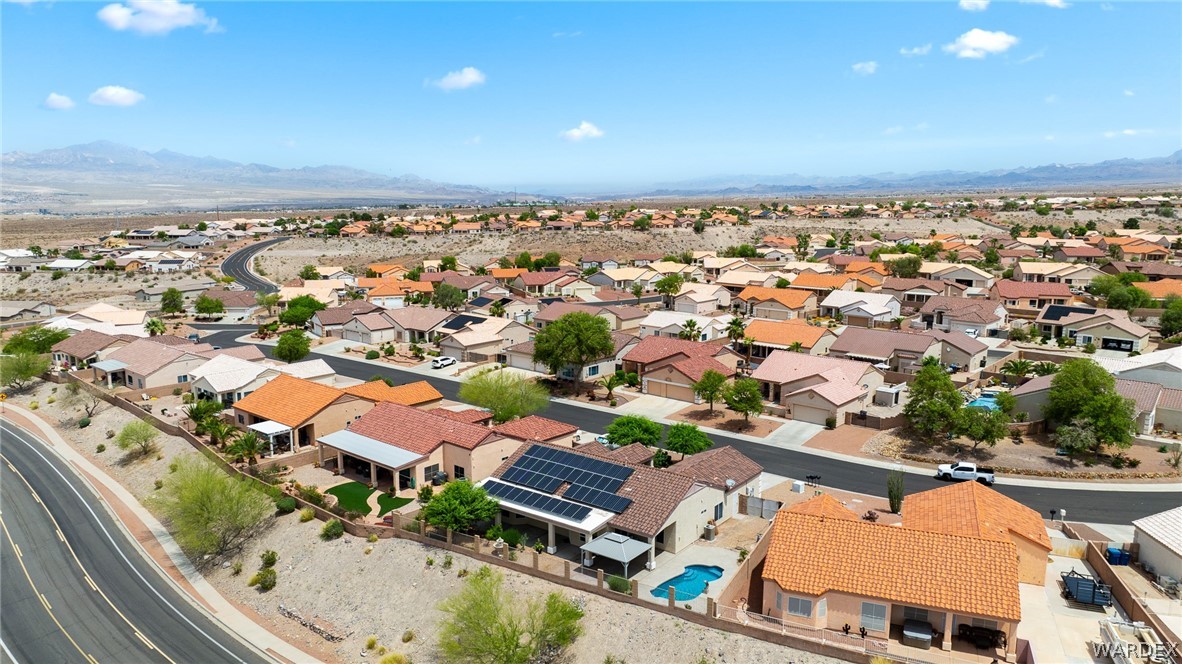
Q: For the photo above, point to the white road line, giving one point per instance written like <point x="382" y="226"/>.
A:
<point x="115" y="544"/>
<point x="8" y="652"/>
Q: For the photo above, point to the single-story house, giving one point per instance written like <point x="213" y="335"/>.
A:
<point x="673" y="324"/>
<point x="1108" y="329"/>
<point x="485" y="340"/>
<point x="190" y="289"/>
<point x="912" y="293"/>
<point x="160" y="361"/>
<point x="773" y="335"/>
<point x="886" y="349"/>
<point x="227" y="378"/>
<point x="965" y="275"/>
<point x="11" y="310"/>
<point x="958" y="349"/>
<point x="960" y="314"/>
<point x="80" y="349"/>
<point x="239" y="305"/>
<point x="860" y="309"/>
<point x="331" y="321"/>
<point x="778" y="303"/>
<point x="1024" y="299"/>
<point x="655" y="351"/>
<point x="813" y="389"/>
<point x="521" y="356"/>
<point x="675" y="379"/>
<point x="921" y="584"/>
<point x="1159" y="538"/>
<point x="723" y="468"/>
<point x="701" y="299"/>
<point x="292" y="412"/>
<point x="415" y="324"/>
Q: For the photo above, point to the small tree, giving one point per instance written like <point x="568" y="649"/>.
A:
<point x="246" y="447"/>
<point x="1076" y="438"/>
<point x="637" y="292"/>
<point x="744" y="397"/>
<point x="208" y="306"/>
<point x="17" y="371"/>
<point x="895" y="490"/>
<point x="710" y="387"/>
<point x="506" y="395"/>
<point x="459" y="506"/>
<point x="172" y="301"/>
<point x="687" y="439"/>
<point x="575" y="339"/>
<point x="631" y="429"/>
<point x="934" y="402"/>
<point x="293" y="346"/>
<point x="1084" y="390"/>
<point x="906" y="267"/>
<point x="611" y="383"/>
<point x="426" y="493"/>
<point x="448" y="297"/>
<point x="77" y="396"/>
<point x="210" y="513"/>
<point x="668" y="286"/>
<point x="1006" y="402"/>
<point x="37" y="340"/>
<point x="137" y="436"/>
<point x="309" y="273"/>
<point x="983" y="426"/>
<point x="154" y="326"/>
<point x="448" y="263"/>
<point x="267" y="301"/>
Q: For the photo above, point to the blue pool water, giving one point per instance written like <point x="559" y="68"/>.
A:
<point x="690" y="583"/>
<point x="984" y="402"/>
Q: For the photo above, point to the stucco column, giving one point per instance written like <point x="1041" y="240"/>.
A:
<point x="947" y="629"/>
<point x="652" y="552"/>
<point x="550" y="546"/>
<point x="373" y="473"/>
<point x="340" y="462"/>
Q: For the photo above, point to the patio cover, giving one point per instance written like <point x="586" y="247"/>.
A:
<point x="109" y="365"/>
<point x="269" y="428"/>
<point x="621" y="548"/>
<point x="362" y="447"/>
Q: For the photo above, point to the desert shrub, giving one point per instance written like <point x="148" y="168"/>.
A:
<point x="512" y="537"/>
<point x="372" y="538"/>
<point x="269" y="558"/>
<point x="371" y="643"/>
<point x="83" y="423"/>
<point x="311" y="494"/>
<point x="101" y="448"/>
<point x="307" y="514"/>
<point x="236" y="568"/>
<point x="264" y="579"/>
<point x="159" y="484"/>
<point x="408" y="636"/>
<point x="618" y="584"/>
<point x="372" y="355"/>
<point x="285" y="505"/>
<point x="332" y="530"/>
<point x="394" y="658"/>
<point x="830" y="423"/>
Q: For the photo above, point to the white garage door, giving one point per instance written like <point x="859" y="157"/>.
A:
<point x="519" y="361"/>
<point x="809" y="414"/>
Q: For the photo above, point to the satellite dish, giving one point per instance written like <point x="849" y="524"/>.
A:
<point x="730" y="484"/>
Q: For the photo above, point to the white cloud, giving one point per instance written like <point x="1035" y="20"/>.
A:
<point x="1057" y="4"/>
<point x="583" y="131"/>
<point x="56" y="102"/>
<point x="115" y="95"/>
<point x="978" y="43"/>
<point x="974" y="5"/>
<point x="156" y="17"/>
<point x="918" y="50"/>
<point x="865" y="68"/>
<point x="460" y="80"/>
<point x="891" y="131"/>
<point x="1124" y="132"/>
<point x="1037" y="55"/>
<point x="1129" y="93"/>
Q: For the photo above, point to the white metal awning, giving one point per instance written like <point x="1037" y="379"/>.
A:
<point x="362" y="447"/>
<point x="620" y="548"/>
<point x="108" y="365"/>
<point x="269" y="428"/>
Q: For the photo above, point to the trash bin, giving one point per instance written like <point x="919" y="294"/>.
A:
<point x="1113" y="555"/>
<point x="1125" y="556"/>
<point x="798" y="487"/>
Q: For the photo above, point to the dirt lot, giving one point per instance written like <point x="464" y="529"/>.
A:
<point x="391" y="589"/>
<point x="726" y="420"/>
<point x="78" y="289"/>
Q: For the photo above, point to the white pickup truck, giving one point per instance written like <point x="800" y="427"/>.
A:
<point x="963" y="470"/>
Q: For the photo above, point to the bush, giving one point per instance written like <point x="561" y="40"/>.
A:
<point x="1090" y="348"/>
<point x="209" y="512"/>
<point x="332" y="530"/>
<point x="512" y="537"/>
<point x="101" y="448"/>
<point x="307" y="514"/>
<point x="236" y="568"/>
<point x="372" y="538"/>
<point x="176" y="391"/>
<point x="83" y="423"/>
<point x="311" y="494"/>
<point x="110" y="434"/>
<point x="619" y="584"/>
<point x="394" y="658"/>
<point x="285" y="505"/>
<point x="408" y="636"/>
<point x="830" y="423"/>
<point x="159" y="484"/>
<point x="269" y="558"/>
<point x="33" y="405"/>
<point x="372" y="355"/>
<point x="50" y="400"/>
<point x="264" y="579"/>
<point x="371" y="643"/>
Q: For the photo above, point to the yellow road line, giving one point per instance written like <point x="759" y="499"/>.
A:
<point x="85" y="574"/>
<point x="45" y="602"/>
<point x="18" y="550"/>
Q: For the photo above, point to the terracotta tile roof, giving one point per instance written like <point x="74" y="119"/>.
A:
<point x="785" y="332"/>
<point x="507" y="272"/>
<point x="419" y="319"/>
<point x="963" y="309"/>
<point x="879" y="344"/>
<point x="395" y="287"/>
<point x="824" y="505"/>
<point x="631" y="454"/>
<point x="232" y="298"/>
<point x="1159" y="290"/>
<point x="535" y="428"/>
<point x="539" y="278"/>
<point x="814" y="555"/>
<point x="553" y="312"/>
<point x="1170" y="399"/>
<point x="695" y="367"/>
<point x="653" y="349"/>
<point x="374" y="321"/>
<point x="789" y="297"/>
<point x="841" y="379"/>
<point x="973" y="510"/>
<point x="625" y="312"/>
<point x="1008" y="289"/>
<point x="862" y="266"/>
<point x="1082" y="252"/>
<point x="288" y="400"/>
<point x="821" y="281"/>
<point x="1144" y="395"/>
<point x="411" y="394"/>
<point x="84" y="344"/>
<point x="418" y="431"/>
<point x="344" y="313"/>
<point x="715" y="466"/>
<point x="469" y="415"/>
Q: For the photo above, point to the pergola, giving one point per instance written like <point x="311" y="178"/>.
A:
<point x="270" y="429"/>
<point x="617" y="547"/>
<point x="109" y="367"/>
<point x="367" y="449"/>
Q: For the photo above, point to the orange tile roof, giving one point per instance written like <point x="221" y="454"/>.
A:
<point x="411" y="394"/>
<point x="535" y="427"/>
<point x="825" y="505"/>
<point x="288" y="400"/>
<point x="401" y="287"/>
<point x="507" y="272"/>
<point x="810" y="280"/>
<point x="860" y="266"/>
<point x="1143" y="249"/>
<point x="785" y="332"/>
<point x="1159" y="290"/>
<point x="793" y="299"/>
<point x="971" y="509"/>
<point x="813" y="555"/>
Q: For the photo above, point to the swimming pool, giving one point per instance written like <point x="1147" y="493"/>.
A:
<point x="690" y="583"/>
<point x="989" y="402"/>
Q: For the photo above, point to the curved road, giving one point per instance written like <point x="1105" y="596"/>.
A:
<point x="75" y="587"/>
<point x="237" y="265"/>
<point x="1096" y="506"/>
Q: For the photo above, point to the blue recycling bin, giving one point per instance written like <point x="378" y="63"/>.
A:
<point x="1125" y="556"/>
<point x="1113" y="555"/>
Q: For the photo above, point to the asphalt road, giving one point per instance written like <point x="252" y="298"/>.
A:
<point x="75" y="587"/>
<point x="237" y="265"/>
<point x="1096" y="506"/>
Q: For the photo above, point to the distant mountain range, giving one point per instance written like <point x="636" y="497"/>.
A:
<point x="1165" y="171"/>
<point x="167" y="179"/>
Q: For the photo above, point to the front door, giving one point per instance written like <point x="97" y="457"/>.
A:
<point x="406" y="479"/>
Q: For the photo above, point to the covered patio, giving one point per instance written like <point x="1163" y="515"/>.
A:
<point x="115" y="371"/>
<point x="274" y="431"/>
<point x="399" y="462"/>
<point x="617" y="547"/>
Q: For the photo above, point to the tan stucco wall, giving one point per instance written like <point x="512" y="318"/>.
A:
<point x="338" y="414"/>
<point x="482" y="461"/>
<point x="168" y="375"/>
<point x="1032" y="561"/>
<point x="690" y="518"/>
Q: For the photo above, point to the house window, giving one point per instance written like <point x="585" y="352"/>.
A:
<point x="718" y="511"/>
<point x="800" y="607"/>
<point x="987" y="624"/>
<point x="430" y="471"/>
<point x="593" y="370"/>
<point x="874" y="616"/>
<point x="458" y="472"/>
<point x="241" y="418"/>
<point x="912" y="613"/>
<point x="779" y="601"/>
<point x="822" y="608"/>
<point x="182" y="379"/>
<point x="139" y="382"/>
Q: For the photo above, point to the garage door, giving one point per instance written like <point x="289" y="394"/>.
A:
<point x="1116" y="344"/>
<point x="858" y="321"/>
<point x="519" y="361"/>
<point x="670" y="391"/>
<point x="809" y="414"/>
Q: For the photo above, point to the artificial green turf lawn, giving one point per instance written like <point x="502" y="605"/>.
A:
<point x="353" y="497"/>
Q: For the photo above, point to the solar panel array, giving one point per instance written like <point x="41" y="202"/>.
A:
<point x="593" y="481"/>
<point x="537" y="501"/>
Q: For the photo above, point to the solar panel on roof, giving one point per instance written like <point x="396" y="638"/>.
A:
<point x="548" y="504"/>
<point x="593" y="481"/>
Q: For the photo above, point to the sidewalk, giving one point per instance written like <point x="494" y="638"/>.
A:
<point x="157" y="544"/>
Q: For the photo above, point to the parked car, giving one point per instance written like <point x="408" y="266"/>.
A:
<point x="964" y="470"/>
<point x="440" y="362"/>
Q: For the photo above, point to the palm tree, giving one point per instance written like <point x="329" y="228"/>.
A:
<point x="497" y="309"/>
<point x="220" y="431"/>
<point x="1017" y="368"/>
<point x="637" y="292"/>
<point x="154" y="326"/>
<point x="199" y="413"/>
<point x="611" y="383"/>
<point x="796" y="347"/>
<point x="1045" y="368"/>
<point x="246" y="447"/>
<point x="748" y="342"/>
<point x="690" y="331"/>
<point x="736" y="329"/>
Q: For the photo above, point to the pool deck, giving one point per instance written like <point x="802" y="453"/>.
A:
<point x="670" y="565"/>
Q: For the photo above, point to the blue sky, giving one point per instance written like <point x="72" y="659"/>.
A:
<point x="587" y="96"/>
